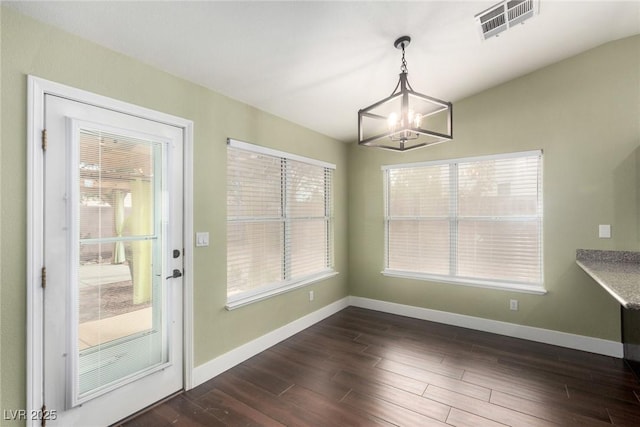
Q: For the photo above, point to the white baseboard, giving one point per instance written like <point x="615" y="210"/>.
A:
<point x="238" y="355"/>
<point x="547" y="336"/>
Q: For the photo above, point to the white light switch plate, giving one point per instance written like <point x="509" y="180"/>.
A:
<point x="604" y="231"/>
<point x="202" y="238"/>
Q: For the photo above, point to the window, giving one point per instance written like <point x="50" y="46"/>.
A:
<point x="475" y="221"/>
<point x="279" y="222"/>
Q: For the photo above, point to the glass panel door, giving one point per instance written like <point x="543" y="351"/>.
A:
<point x="118" y="309"/>
<point x="111" y="337"/>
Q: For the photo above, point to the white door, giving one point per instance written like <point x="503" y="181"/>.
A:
<point x="113" y="253"/>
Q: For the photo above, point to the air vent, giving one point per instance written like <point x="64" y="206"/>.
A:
<point x="504" y="15"/>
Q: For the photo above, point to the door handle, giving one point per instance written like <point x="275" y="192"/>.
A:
<point x="176" y="273"/>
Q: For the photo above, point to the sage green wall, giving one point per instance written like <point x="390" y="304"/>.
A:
<point x="584" y="112"/>
<point x="29" y="47"/>
<point x="1" y="369"/>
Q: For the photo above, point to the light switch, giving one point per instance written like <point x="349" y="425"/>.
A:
<point x="202" y="238"/>
<point x="604" y="231"/>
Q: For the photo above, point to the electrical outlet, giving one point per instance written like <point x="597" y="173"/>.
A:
<point x="513" y="305"/>
<point x="311" y="295"/>
<point x="604" y="231"/>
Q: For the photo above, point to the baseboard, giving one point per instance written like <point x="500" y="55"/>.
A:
<point x="238" y="355"/>
<point x="547" y="336"/>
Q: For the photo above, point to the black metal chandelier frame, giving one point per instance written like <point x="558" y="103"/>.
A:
<point x="398" y="138"/>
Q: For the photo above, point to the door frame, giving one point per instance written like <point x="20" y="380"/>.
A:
<point x="37" y="89"/>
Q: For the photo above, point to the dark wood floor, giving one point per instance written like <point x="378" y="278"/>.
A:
<point x="365" y="368"/>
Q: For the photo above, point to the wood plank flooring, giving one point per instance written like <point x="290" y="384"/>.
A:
<point x="366" y="368"/>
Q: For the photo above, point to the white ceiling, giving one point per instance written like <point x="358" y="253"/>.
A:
<point x="316" y="63"/>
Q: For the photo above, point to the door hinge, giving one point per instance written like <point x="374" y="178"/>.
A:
<point x="44" y="277"/>
<point x="43" y="412"/>
<point x="44" y="139"/>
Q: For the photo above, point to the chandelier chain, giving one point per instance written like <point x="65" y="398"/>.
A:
<point x="403" y="67"/>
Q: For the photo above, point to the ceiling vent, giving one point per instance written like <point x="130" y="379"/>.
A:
<point x="504" y="15"/>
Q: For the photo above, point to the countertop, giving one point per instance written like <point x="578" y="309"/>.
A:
<point x="618" y="272"/>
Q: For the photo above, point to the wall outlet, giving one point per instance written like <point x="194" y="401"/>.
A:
<point x="604" y="231"/>
<point x="513" y="305"/>
<point x="311" y="295"/>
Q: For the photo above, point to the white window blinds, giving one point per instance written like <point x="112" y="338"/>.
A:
<point x="279" y="219"/>
<point x="475" y="221"/>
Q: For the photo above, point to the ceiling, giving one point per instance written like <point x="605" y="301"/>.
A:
<point x="316" y="63"/>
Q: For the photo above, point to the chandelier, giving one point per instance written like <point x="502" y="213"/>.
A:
<point x="406" y="119"/>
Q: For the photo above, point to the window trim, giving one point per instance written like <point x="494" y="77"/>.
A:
<point x="534" y="288"/>
<point x="234" y="143"/>
<point x="269" y="290"/>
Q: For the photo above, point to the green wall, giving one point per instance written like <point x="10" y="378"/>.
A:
<point x="29" y="47"/>
<point x="584" y="113"/>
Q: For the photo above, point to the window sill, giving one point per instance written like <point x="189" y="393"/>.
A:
<point x="240" y="300"/>
<point x="478" y="283"/>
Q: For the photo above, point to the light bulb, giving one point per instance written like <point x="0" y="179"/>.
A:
<point x="416" y="120"/>
<point x="392" y="120"/>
